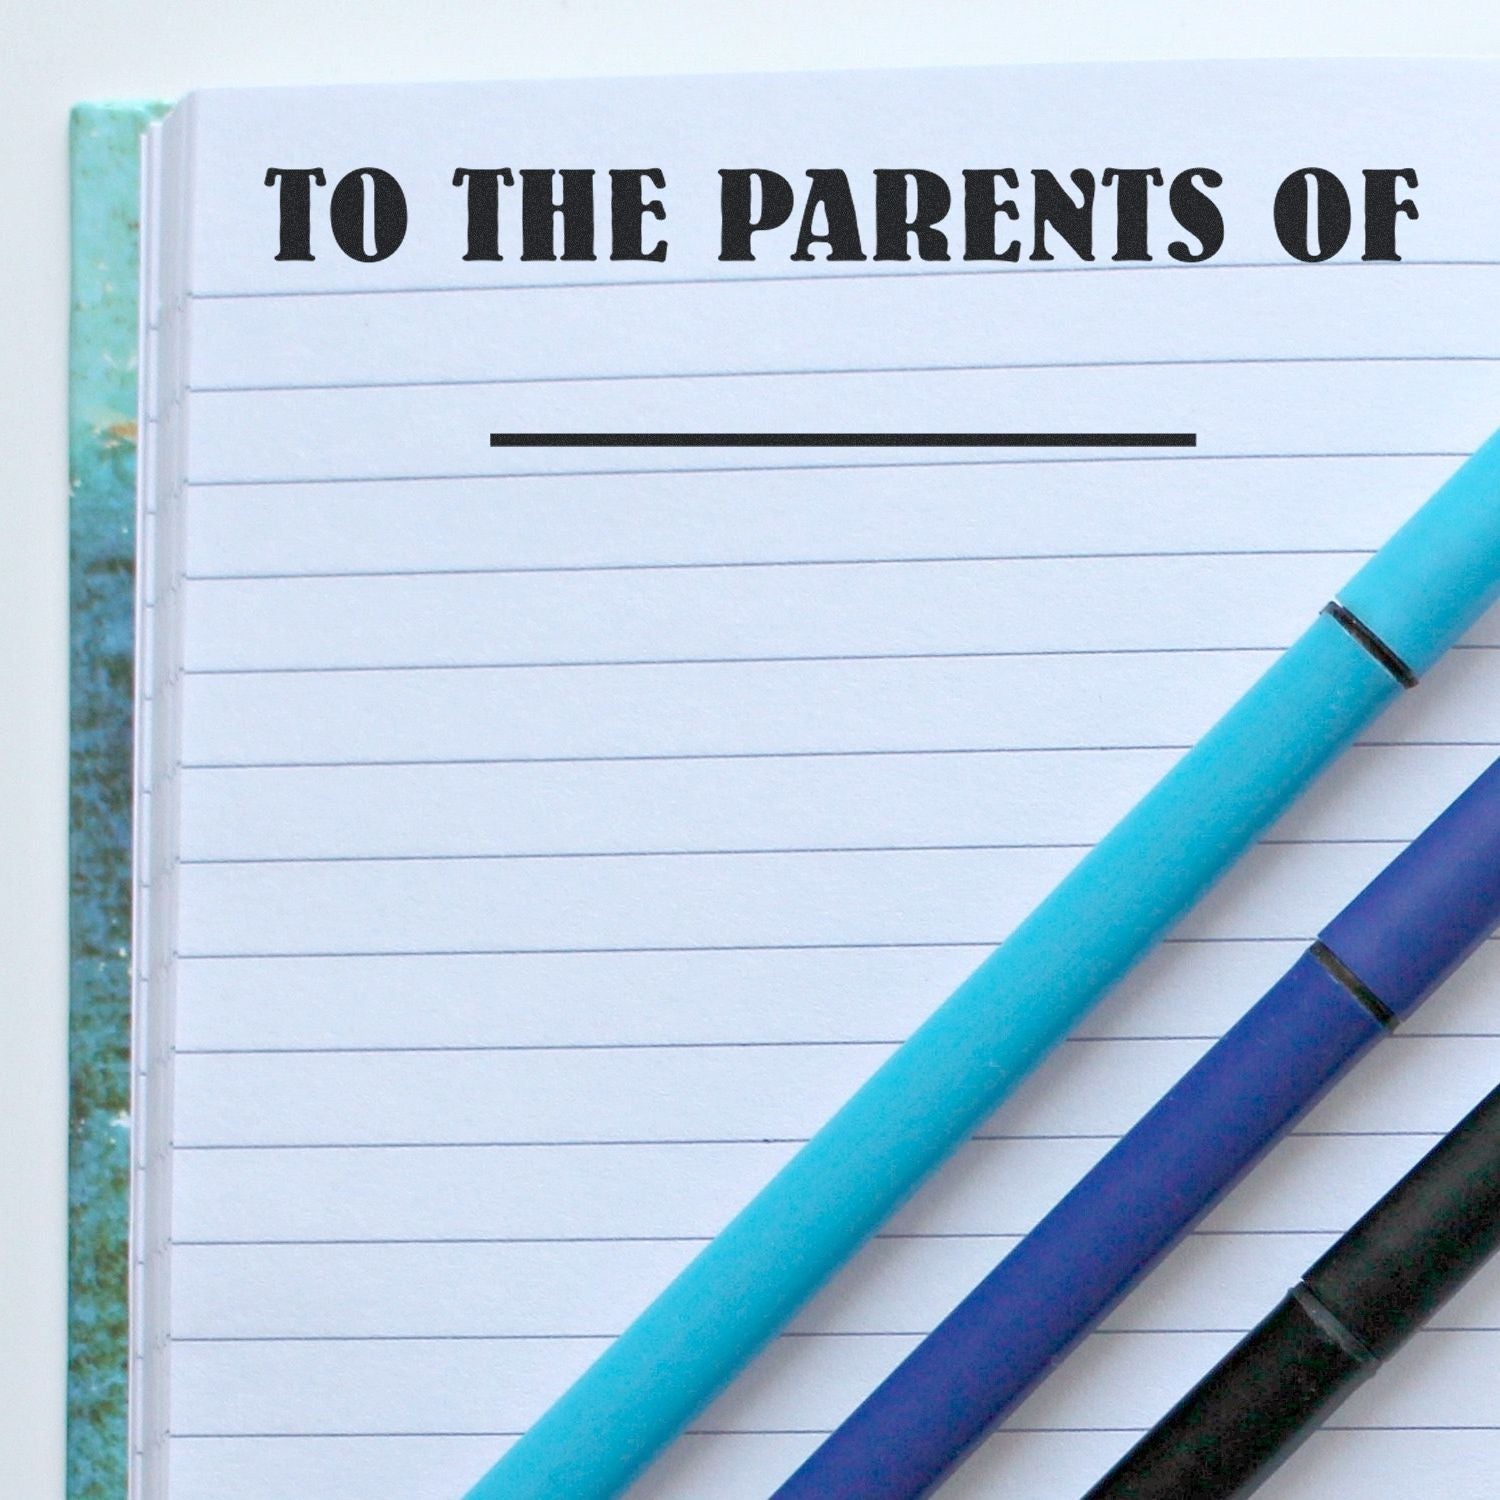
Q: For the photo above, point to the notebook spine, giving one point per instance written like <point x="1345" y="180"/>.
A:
<point x="164" y="335"/>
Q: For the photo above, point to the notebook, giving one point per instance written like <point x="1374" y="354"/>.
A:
<point x="536" y="840"/>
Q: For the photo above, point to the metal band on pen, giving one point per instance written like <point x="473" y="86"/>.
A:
<point x="1371" y="643"/>
<point x="1332" y="1327"/>
<point x="1356" y="986"/>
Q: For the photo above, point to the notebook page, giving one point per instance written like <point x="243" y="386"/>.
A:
<point x="565" y="833"/>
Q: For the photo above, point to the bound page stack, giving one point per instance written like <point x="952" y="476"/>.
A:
<point x="536" y="844"/>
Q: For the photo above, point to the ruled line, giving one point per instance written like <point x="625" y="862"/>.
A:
<point x="233" y="861"/>
<point x="823" y="658"/>
<point x="738" y="564"/>
<point x="696" y="1142"/>
<point x="1197" y="456"/>
<point x="829" y="273"/>
<point x="1405" y="1035"/>
<point x="824" y="371"/>
<point x="830" y="1335"/>
<point x="1010" y="1429"/>
<point x="691" y="756"/>
<point x="992" y="941"/>
<point x="919" y="1236"/>
<point x="736" y="852"/>
<point x="815" y="658"/>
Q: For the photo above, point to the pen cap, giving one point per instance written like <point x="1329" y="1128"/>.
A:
<point x="1423" y="914"/>
<point x="1422" y="1241"/>
<point x="1440" y="571"/>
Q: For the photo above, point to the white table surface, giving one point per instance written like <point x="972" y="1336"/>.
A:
<point x="55" y="52"/>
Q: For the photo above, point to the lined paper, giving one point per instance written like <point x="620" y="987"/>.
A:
<point x="563" y="834"/>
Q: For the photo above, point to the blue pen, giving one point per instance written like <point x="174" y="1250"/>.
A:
<point x="1370" y="968"/>
<point x="1396" y="617"/>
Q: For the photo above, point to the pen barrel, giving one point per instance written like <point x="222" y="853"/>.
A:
<point x="1419" y="1244"/>
<point x="1084" y="1255"/>
<point x="1355" y="1306"/>
<point x="1247" y="1414"/>
<point x="1432" y="580"/>
<point x="1428" y="909"/>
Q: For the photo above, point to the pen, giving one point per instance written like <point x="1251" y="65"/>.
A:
<point x="1350" y="1312"/>
<point x="1370" y="968"/>
<point x="1395" y="618"/>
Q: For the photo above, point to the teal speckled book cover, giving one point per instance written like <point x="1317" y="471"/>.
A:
<point x="105" y="157"/>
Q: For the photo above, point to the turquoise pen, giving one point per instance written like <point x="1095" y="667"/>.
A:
<point x="1396" y="617"/>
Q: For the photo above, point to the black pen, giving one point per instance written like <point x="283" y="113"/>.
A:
<point x="1352" y="1310"/>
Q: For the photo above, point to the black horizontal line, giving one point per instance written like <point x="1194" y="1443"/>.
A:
<point x="418" y="1435"/>
<point x="270" y="482"/>
<point x="386" y="1241"/>
<point x="843" y="440"/>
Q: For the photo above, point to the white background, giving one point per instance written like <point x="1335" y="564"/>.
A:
<point x="64" y="50"/>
